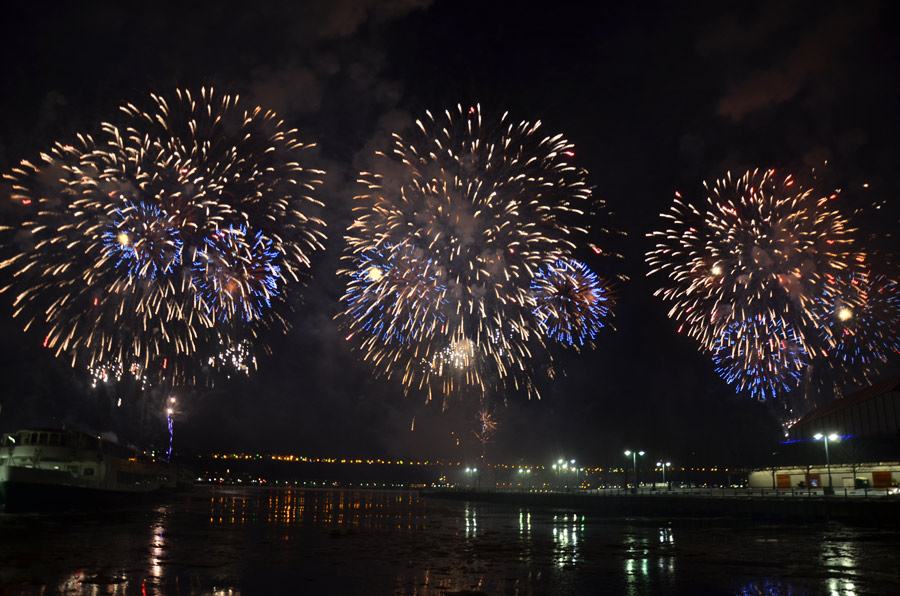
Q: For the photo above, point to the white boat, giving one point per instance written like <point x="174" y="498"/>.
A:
<point x="46" y="469"/>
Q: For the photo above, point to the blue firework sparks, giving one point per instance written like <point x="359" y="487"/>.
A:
<point x="391" y="280"/>
<point x="236" y="274"/>
<point x="758" y="245"/>
<point x="143" y="239"/>
<point x="865" y="332"/>
<point x="572" y="302"/>
<point x="774" y="365"/>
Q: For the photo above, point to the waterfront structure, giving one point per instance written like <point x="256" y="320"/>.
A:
<point x="872" y="412"/>
<point x="877" y="475"/>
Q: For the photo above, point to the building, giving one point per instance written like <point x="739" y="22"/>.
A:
<point x="877" y="476"/>
<point x="871" y="413"/>
<point x="867" y="454"/>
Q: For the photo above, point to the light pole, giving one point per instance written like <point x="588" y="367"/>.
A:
<point x="634" y="455"/>
<point x="829" y="490"/>
<point x="572" y="463"/>
<point x="664" y="466"/>
<point x="522" y="474"/>
<point x="473" y="472"/>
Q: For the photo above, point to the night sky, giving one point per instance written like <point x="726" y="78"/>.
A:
<point x="656" y="98"/>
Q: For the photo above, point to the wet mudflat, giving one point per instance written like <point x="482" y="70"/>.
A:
<point x="248" y="541"/>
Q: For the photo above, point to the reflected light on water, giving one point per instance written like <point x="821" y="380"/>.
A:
<point x="840" y="587"/>
<point x="102" y="584"/>
<point x="839" y="558"/>
<point x="765" y="588"/>
<point x="568" y="532"/>
<point x="471" y="522"/>
<point x="525" y="536"/>
<point x="666" y="562"/>
<point x="71" y="583"/>
<point x="218" y="541"/>
<point x="157" y="545"/>
<point x="636" y="563"/>
<point x="525" y="524"/>
<point x="321" y="508"/>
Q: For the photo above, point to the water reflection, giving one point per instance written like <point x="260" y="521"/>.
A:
<point x="649" y="558"/>
<point x="471" y="518"/>
<point x="666" y="562"/>
<point x="766" y="588"/>
<point x="636" y="561"/>
<point x="157" y="545"/>
<point x="228" y="541"/>
<point x="568" y="531"/>
<point x="838" y="557"/>
<point x="318" y="508"/>
<point x="525" y="541"/>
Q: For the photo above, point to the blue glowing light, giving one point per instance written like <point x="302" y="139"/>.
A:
<point x="571" y="302"/>
<point x="775" y="361"/>
<point x="236" y="274"/>
<point x="397" y="294"/>
<point x="864" y="328"/>
<point x="142" y="240"/>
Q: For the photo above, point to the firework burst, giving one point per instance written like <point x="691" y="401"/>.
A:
<point x="177" y="229"/>
<point x="452" y="229"/>
<point x="774" y="364"/>
<point x="572" y="303"/>
<point x="867" y="333"/>
<point x="866" y="337"/>
<point x="760" y="249"/>
<point x="237" y="358"/>
<point x="486" y="425"/>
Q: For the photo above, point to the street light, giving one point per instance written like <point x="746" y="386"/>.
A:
<point x="664" y="466"/>
<point x="522" y="474"/>
<point x="563" y="465"/>
<point x="572" y="464"/>
<point x="832" y="437"/>
<point x="634" y="456"/>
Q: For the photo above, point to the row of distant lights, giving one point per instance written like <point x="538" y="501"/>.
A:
<point x="561" y="464"/>
<point x="331" y="460"/>
<point x="330" y="484"/>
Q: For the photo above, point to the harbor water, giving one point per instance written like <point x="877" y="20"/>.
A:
<point x="227" y="540"/>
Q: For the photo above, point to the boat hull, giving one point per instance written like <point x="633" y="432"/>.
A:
<point x="20" y="497"/>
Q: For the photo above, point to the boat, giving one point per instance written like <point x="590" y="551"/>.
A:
<point x="46" y="469"/>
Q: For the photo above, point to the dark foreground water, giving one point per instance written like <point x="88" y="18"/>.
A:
<point x="245" y="541"/>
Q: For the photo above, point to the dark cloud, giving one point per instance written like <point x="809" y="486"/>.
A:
<point x="743" y="31"/>
<point x="330" y="19"/>
<point x="294" y="89"/>
<point x="816" y="51"/>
